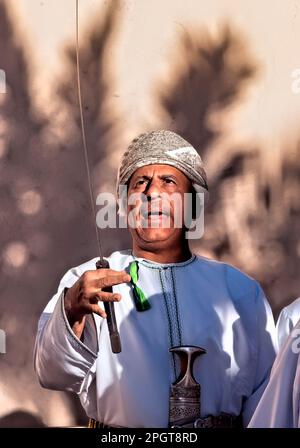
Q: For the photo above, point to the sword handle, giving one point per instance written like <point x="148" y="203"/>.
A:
<point x="109" y="307"/>
<point x="187" y="355"/>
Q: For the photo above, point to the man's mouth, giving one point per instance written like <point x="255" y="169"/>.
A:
<point x="153" y="213"/>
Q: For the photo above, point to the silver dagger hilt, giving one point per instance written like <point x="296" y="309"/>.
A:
<point x="185" y="403"/>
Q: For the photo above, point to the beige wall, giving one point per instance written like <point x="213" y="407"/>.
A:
<point x="239" y="110"/>
<point x="145" y="43"/>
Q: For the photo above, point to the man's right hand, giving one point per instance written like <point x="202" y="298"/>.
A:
<point x="83" y="297"/>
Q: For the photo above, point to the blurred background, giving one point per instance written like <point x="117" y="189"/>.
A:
<point x="224" y="74"/>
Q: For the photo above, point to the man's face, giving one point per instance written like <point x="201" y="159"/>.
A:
<point x="156" y="204"/>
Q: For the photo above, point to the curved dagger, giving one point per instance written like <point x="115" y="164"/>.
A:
<point x="101" y="263"/>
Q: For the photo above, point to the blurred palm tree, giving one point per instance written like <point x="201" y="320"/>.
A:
<point x="209" y="75"/>
<point x="47" y="225"/>
<point x="251" y="219"/>
<point x="22" y="217"/>
<point x="103" y="125"/>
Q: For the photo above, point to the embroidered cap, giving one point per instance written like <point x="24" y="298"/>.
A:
<point x="162" y="147"/>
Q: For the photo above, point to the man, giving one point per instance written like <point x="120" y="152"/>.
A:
<point x="279" y="406"/>
<point x="187" y="300"/>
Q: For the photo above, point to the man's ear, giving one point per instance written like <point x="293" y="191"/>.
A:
<point x="197" y="200"/>
<point x="200" y="196"/>
<point x="195" y="222"/>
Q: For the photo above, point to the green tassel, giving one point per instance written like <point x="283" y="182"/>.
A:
<point x="141" y="301"/>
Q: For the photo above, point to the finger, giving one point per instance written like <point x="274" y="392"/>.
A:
<point x="115" y="277"/>
<point x="111" y="280"/>
<point x="107" y="296"/>
<point x="97" y="274"/>
<point x="89" y="308"/>
<point x="100" y="273"/>
<point x="97" y="310"/>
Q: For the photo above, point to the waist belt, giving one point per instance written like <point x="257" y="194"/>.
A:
<point x="221" y="421"/>
<point x="211" y="421"/>
<point x="95" y="424"/>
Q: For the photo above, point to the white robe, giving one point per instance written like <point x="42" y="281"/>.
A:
<point x="279" y="406"/>
<point x="287" y="320"/>
<point x="196" y="302"/>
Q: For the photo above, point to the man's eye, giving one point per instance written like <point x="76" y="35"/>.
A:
<point x="140" y="182"/>
<point x="169" y="181"/>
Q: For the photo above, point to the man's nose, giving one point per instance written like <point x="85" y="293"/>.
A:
<point x="153" y="189"/>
